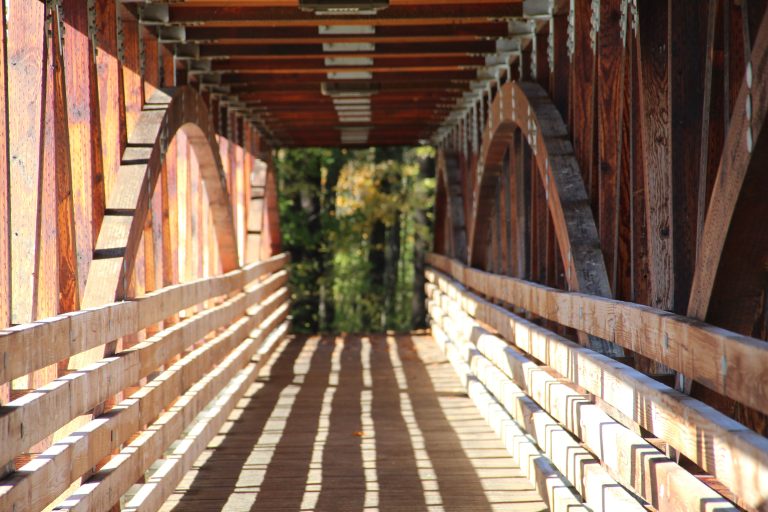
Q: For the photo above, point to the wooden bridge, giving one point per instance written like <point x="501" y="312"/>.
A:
<point x="596" y="293"/>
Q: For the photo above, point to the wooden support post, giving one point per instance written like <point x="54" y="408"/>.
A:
<point x="5" y="195"/>
<point x="652" y="64"/>
<point x="26" y="62"/>
<point x="111" y="98"/>
<point x="610" y="102"/>
<point x="84" y="133"/>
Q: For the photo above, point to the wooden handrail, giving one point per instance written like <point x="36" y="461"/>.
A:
<point x="729" y="363"/>
<point x="254" y="308"/>
<point x="734" y="454"/>
<point x="28" y="347"/>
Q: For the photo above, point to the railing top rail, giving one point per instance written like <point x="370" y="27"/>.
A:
<point x="28" y="347"/>
<point x="727" y="362"/>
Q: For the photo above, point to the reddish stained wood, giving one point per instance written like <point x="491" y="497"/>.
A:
<point x="686" y="69"/>
<point x="271" y="230"/>
<point x="193" y="218"/>
<point x="583" y="94"/>
<point x="84" y="135"/>
<point x="110" y="97"/>
<point x="559" y="79"/>
<point x="68" y="293"/>
<point x="652" y="58"/>
<point x="712" y="130"/>
<point x="640" y="265"/>
<point x="133" y="85"/>
<point x="5" y="214"/>
<point x="170" y="215"/>
<point x="168" y="69"/>
<point x="157" y="236"/>
<point x="182" y="182"/>
<point x="26" y="56"/>
<point x="729" y="283"/>
<point x="151" y="62"/>
<point x="610" y="101"/>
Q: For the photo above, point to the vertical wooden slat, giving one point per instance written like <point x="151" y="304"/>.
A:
<point x="151" y="62"/>
<point x="68" y="295"/>
<point x="712" y="134"/>
<point x="84" y="133"/>
<point x="182" y="181"/>
<point x="110" y="88"/>
<point x="610" y="65"/>
<point x="157" y="236"/>
<point x="133" y="85"/>
<point x="5" y="220"/>
<point x="168" y="69"/>
<point x="656" y="133"/>
<point x="559" y="79"/>
<point x="583" y="98"/>
<point x="686" y="73"/>
<point x="26" y="55"/>
<point x="193" y="205"/>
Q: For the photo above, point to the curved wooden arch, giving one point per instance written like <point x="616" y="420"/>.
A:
<point x="166" y="112"/>
<point x="527" y="107"/>
<point x="734" y="240"/>
<point x="449" y="177"/>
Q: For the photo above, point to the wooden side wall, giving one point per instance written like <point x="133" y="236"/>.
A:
<point x="630" y="170"/>
<point x="129" y="204"/>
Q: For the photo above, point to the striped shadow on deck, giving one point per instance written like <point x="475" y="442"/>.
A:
<point x="356" y="423"/>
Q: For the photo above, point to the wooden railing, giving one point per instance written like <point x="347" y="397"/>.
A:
<point x="568" y="397"/>
<point x="177" y="385"/>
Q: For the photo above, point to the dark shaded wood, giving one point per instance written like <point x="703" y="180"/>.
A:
<point x="652" y="63"/>
<point x="610" y="103"/>
<point x="686" y="69"/>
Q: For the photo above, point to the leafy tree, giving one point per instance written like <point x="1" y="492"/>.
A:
<point x="357" y="223"/>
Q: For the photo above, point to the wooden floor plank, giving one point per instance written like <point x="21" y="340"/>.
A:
<point x="356" y="423"/>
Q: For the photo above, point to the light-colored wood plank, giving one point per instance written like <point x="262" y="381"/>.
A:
<point x="727" y="362"/>
<point x="633" y="461"/>
<point x="119" y="474"/>
<point x="35" y="415"/>
<point x="734" y="454"/>
<point x="28" y="347"/>
<point x="26" y="63"/>
<point x="42" y="480"/>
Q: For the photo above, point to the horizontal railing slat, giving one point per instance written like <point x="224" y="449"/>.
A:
<point x="122" y="471"/>
<point x="653" y="476"/>
<point x="729" y="363"/>
<point x="39" y="482"/>
<point x="734" y="454"/>
<point x="29" y="347"/>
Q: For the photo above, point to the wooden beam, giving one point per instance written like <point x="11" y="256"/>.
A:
<point x="119" y="474"/>
<point x="632" y="461"/>
<point x="29" y="347"/>
<point x="36" y="415"/>
<point x="25" y="82"/>
<point x="670" y="415"/>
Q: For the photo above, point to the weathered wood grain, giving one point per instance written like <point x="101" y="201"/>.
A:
<point x="28" y="347"/>
<point x="26" y="62"/>
<point x="734" y="454"/>
<point x="630" y="459"/>
<point x="36" y="486"/>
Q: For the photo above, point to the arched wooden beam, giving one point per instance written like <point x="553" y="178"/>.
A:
<point x="527" y="107"/>
<point x="166" y="112"/>
<point x="734" y="242"/>
<point x="449" y="174"/>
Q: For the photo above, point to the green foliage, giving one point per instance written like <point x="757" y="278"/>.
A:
<point x="351" y="220"/>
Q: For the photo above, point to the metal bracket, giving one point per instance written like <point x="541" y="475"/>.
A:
<point x="155" y="14"/>
<point x="172" y="34"/>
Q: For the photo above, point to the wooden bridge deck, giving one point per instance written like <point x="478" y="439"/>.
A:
<point x="356" y="423"/>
